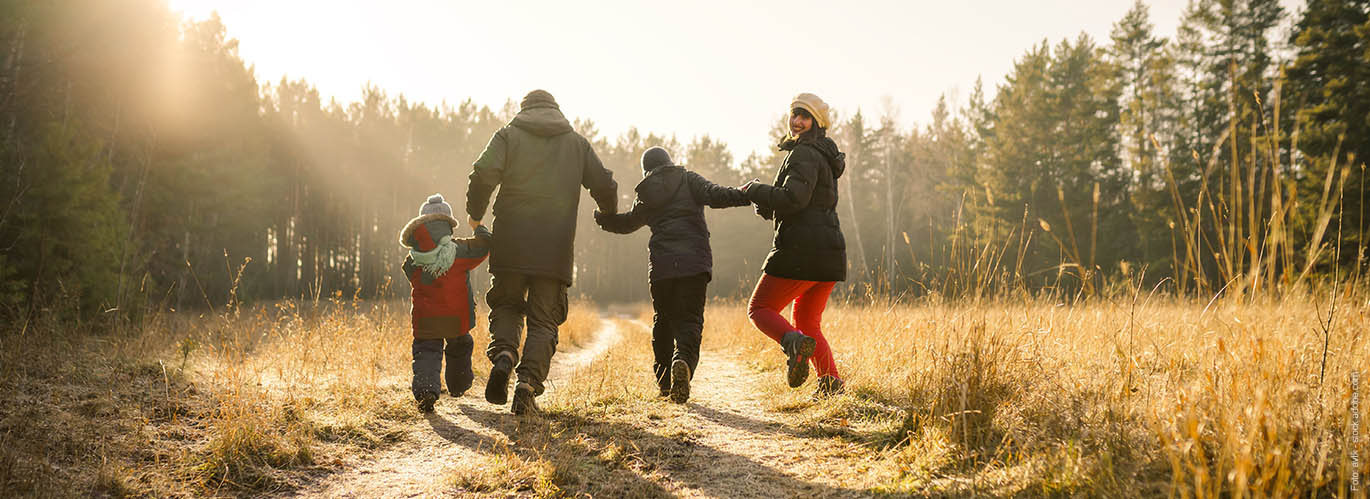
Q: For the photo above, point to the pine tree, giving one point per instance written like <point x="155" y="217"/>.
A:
<point x="1053" y="151"/>
<point x="1136" y="53"/>
<point x="1327" y="84"/>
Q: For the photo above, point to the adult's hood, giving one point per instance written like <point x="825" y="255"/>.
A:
<point x="837" y="160"/>
<point x="540" y="115"/>
<point x="660" y="185"/>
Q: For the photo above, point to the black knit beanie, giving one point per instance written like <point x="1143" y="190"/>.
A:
<point x="655" y="157"/>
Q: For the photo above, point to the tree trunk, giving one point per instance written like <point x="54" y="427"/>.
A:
<point x="13" y="63"/>
<point x="889" y="218"/>
<point x="852" y="217"/>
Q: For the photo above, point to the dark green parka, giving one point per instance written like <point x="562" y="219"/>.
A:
<point x="539" y="164"/>
<point x="808" y="242"/>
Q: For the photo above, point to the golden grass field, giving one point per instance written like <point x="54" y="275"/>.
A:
<point x="1137" y="397"/>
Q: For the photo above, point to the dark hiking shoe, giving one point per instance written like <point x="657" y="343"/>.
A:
<point x="664" y="392"/>
<point x="524" y="402"/>
<point x="798" y="348"/>
<point x="426" y="401"/>
<point x="829" y="386"/>
<point x="680" y="381"/>
<point x="459" y="375"/>
<point x="497" y="387"/>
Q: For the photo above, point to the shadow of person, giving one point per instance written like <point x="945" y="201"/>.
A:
<point x="498" y="419"/>
<point x="454" y="433"/>
<point x="615" y="458"/>
<point x="744" y="423"/>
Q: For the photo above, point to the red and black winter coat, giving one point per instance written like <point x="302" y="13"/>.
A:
<point x="443" y="306"/>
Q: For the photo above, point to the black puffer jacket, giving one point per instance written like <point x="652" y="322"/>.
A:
<point x="808" y="241"/>
<point x="671" y="201"/>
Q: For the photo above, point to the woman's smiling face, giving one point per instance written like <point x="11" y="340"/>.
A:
<point x="800" y="122"/>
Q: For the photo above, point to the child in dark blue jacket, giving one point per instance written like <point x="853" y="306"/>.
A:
<point x="671" y="200"/>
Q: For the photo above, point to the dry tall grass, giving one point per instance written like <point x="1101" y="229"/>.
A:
<point x="1153" y="398"/>
<point x="253" y="400"/>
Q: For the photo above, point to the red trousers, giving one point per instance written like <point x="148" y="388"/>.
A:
<point x="773" y="294"/>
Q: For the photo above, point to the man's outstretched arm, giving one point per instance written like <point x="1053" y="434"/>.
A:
<point x="600" y="182"/>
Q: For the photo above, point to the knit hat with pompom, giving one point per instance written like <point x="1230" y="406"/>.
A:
<point x="435" y="204"/>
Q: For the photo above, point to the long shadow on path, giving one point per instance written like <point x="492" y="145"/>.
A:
<point x="613" y="459"/>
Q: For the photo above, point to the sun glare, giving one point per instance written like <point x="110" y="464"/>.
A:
<point x="193" y="9"/>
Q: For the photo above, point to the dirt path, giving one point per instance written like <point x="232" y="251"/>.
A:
<point x="468" y="426"/>
<point x="736" y="446"/>
<point x="742" y="449"/>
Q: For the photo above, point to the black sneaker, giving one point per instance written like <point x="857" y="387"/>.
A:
<point x="426" y="401"/>
<point x="829" y="386"/>
<point x="524" y="402"/>
<point x="497" y="387"/>
<point x="680" y="381"/>
<point x="798" y="348"/>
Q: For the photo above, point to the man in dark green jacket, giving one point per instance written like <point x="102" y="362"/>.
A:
<point x="539" y="164"/>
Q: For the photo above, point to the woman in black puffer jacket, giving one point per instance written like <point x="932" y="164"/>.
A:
<point x="809" y="255"/>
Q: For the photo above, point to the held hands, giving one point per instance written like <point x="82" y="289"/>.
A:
<point x="763" y="212"/>
<point x="601" y="218"/>
<point x="472" y="222"/>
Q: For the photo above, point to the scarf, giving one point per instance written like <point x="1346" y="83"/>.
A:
<point x="437" y="261"/>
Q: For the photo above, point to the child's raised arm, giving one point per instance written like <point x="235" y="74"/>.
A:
<point x="714" y="195"/>
<point x="471" y="251"/>
<point x="624" y="223"/>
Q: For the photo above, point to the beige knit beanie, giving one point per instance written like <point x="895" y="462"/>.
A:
<point x="814" y="105"/>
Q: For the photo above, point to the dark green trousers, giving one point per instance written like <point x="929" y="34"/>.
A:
<point x="540" y="302"/>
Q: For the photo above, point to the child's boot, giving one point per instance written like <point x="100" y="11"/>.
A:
<point x="680" y="381"/>
<point x="426" y="401"/>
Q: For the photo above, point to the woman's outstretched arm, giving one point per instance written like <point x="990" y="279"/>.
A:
<point x="794" y="194"/>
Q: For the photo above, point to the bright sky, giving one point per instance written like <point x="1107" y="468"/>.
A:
<point x="726" y="68"/>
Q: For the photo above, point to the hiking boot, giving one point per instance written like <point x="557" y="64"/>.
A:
<point x="497" y="387"/>
<point x="524" y="400"/>
<point x="680" y="381"/>
<point x="798" y="348"/>
<point x="459" y="375"/>
<point x="829" y="386"/>
<point x="426" y="401"/>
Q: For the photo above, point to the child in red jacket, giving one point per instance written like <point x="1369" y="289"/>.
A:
<point x="438" y="268"/>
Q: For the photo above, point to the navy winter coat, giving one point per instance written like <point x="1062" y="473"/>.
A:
<point x="671" y="200"/>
